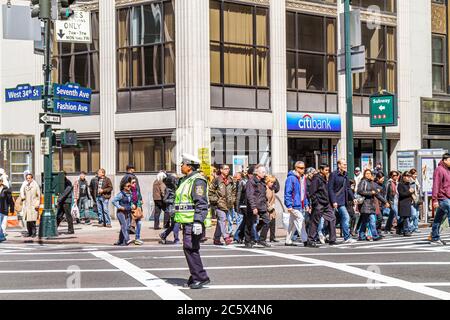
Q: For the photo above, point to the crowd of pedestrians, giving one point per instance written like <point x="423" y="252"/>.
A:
<point x="315" y="203"/>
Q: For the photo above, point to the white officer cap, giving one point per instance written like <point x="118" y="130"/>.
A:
<point x="187" y="158"/>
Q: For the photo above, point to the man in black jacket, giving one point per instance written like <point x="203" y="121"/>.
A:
<point x="321" y="207"/>
<point x="6" y="206"/>
<point x="257" y="206"/>
<point x="64" y="206"/>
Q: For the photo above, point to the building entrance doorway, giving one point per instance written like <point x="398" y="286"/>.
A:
<point x="312" y="151"/>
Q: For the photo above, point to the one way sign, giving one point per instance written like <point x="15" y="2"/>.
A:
<point x="75" y="29"/>
<point x="49" y="118"/>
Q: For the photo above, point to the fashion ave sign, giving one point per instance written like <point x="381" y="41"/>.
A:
<point x="313" y="122"/>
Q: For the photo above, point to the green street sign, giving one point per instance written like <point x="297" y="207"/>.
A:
<point x="383" y="110"/>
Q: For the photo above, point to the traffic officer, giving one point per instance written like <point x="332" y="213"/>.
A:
<point x="191" y="209"/>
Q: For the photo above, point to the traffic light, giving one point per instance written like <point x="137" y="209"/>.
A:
<point x="69" y="138"/>
<point x="64" y="10"/>
<point x="41" y="9"/>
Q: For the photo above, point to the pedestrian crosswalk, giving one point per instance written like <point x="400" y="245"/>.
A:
<point x="416" y="241"/>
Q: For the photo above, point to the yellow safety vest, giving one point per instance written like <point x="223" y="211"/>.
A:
<point x="184" y="204"/>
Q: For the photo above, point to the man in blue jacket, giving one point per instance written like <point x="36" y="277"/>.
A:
<point x="341" y="193"/>
<point x="296" y="202"/>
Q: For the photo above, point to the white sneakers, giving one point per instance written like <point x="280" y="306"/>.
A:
<point x="322" y="239"/>
<point x="349" y="241"/>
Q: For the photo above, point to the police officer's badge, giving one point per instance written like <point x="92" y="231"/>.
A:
<point x="199" y="190"/>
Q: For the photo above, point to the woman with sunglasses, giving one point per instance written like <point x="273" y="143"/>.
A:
<point x="370" y="191"/>
<point x="124" y="204"/>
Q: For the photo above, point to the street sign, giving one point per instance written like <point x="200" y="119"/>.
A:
<point x="49" y="118"/>
<point x="75" y="29"/>
<point x="358" y="60"/>
<point x="45" y="146"/>
<point x="205" y="165"/>
<point x="383" y="110"/>
<point x="64" y="106"/>
<point x="72" y="91"/>
<point x="355" y="28"/>
<point x="23" y="92"/>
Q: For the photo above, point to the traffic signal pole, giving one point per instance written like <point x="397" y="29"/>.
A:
<point x="47" y="227"/>
<point x="349" y="93"/>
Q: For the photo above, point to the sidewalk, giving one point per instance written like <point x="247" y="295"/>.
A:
<point x="90" y="234"/>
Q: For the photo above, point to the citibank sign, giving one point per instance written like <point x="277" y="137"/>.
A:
<point x="321" y="122"/>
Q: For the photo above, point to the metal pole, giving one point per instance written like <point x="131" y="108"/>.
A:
<point x="385" y="151"/>
<point x="47" y="227"/>
<point x="349" y="92"/>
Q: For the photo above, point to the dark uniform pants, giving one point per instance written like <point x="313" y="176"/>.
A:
<point x="191" y="248"/>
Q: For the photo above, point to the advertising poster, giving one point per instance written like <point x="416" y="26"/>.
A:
<point x="366" y="161"/>
<point x="405" y="164"/>
<point x="428" y="166"/>
<point x="240" y="163"/>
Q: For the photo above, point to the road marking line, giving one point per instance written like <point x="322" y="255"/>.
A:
<point x="397" y="245"/>
<point x="303" y="265"/>
<point x="224" y="287"/>
<point x="358" y="272"/>
<point x="49" y="260"/>
<point x="213" y="256"/>
<point x="164" y="269"/>
<point x="363" y="253"/>
<point x="164" y="290"/>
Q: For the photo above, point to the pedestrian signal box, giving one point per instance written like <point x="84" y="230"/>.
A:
<point x="69" y="138"/>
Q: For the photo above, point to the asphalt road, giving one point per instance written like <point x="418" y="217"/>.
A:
<point x="395" y="268"/>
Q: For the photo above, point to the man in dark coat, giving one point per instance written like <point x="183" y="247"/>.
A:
<point x="65" y="206"/>
<point x="321" y="207"/>
<point x="257" y="206"/>
<point x="6" y="206"/>
<point x="340" y="192"/>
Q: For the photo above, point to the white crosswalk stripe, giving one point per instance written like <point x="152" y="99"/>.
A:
<point x="416" y="241"/>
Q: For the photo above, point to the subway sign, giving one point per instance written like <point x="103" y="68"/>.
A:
<point x="317" y="122"/>
<point x="383" y="110"/>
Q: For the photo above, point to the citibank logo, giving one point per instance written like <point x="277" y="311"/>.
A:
<point x="308" y="122"/>
<point x="313" y="122"/>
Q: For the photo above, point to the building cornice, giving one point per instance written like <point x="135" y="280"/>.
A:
<point x="296" y="5"/>
<point x="310" y="7"/>
<point x="331" y="11"/>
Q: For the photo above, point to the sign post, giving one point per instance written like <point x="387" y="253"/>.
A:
<point x="383" y="113"/>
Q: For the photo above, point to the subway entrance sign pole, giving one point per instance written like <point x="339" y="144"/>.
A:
<point x="383" y="113"/>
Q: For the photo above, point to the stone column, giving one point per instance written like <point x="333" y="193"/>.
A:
<point x="278" y="87"/>
<point x="414" y="68"/>
<point x="108" y="90"/>
<point x="192" y="76"/>
<point x="342" y="105"/>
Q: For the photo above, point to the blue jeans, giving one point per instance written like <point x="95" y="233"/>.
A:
<point x="255" y="232"/>
<point x="403" y="225"/>
<point x="124" y="220"/>
<point x="239" y="221"/>
<point x="345" y="221"/>
<point x="370" y="223"/>
<point x="230" y="218"/>
<point x="103" y="210"/>
<point x="2" y="235"/>
<point x="138" y="229"/>
<point x="441" y="213"/>
<point x="414" y="220"/>
<point x="320" y="226"/>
